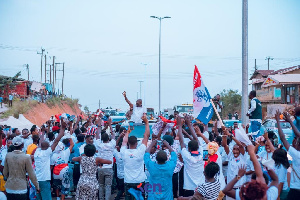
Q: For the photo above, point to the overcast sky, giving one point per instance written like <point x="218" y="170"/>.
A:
<point x="103" y="44"/>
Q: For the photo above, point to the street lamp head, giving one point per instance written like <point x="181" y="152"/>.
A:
<point x="166" y="17"/>
<point x="153" y="16"/>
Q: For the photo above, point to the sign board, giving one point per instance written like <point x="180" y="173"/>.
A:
<point x="269" y="82"/>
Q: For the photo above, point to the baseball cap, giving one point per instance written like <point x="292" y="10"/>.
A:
<point x="17" y="141"/>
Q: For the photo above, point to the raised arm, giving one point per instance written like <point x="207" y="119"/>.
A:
<point x="153" y="143"/>
<point x="186" y="134"/>
<point x="126" y="99"/>
<point x="120" y="136"/>
<point x="168" y="146"/>
<point x="161" y="130"/>
<point x="224" y="140"/>
<point x="242" y="150"/>
<point x="197" y="129"/>
<point x="257" y="167"/>
<point x="280" y="132"/>
<point x="228" y="190"/>
<point x="60" y="135"/>
<point x="113" y="135"/>
<point x="187" y="120"/>
<point x="179" y="124"/>
<point x="288" y="119"/>
<point x="147" y="130"/>
<point x="98" y="124"/>
<point x="269" y="141"/>
<point x="125" y="139"/>
<point x="274" y="177"/>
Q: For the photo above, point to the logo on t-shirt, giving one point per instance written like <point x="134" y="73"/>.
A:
<point x="150" y="188"/>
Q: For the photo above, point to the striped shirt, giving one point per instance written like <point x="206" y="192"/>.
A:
<point x="209" y="190"/>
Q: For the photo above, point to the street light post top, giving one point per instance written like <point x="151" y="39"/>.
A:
<point x="160" y="18"/>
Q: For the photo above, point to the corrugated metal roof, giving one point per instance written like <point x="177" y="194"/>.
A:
<point x="286" y="78"/>
<point x="285" y="70"/>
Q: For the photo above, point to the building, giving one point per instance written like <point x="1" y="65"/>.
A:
<point x="277" y="89"/>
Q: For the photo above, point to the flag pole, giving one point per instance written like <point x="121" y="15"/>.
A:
<point x="215" y="109"/>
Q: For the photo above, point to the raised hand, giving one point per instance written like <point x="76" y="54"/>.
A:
<point x="124" y="93"/>
<point x="144" y="118"/>
<point x="277" y="116"/>
<point x="242" y="170"/>
<point x="178" y="120"/>
<point x="63" y="123"/>
<point x="287" y="117"/>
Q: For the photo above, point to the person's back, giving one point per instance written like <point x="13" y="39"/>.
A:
<point x="160" y="176"/>
<point x="17" y="164"/>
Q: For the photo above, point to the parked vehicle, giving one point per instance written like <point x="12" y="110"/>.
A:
<point x="271" y="124"/>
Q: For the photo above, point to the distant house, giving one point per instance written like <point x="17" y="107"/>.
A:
<point x="277" y="87"/>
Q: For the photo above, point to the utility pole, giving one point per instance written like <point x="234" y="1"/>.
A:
<point x="27" y="68"/>
<point x="42" y="53"/>
<point x="255" y="68"/>
<point x="99" y="105"/>
<point x="245" y="101"/>
<point x="141" y="89"/>
<point x="62" y="86"/>
<point x="55" y="78"/>
<point x="50" y="75"/>
<point x="45" y="68"/>
<point x="53" y="59"/>
<point x="269" y="58"/>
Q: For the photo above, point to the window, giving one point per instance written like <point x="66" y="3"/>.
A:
<point x="290" y="95"/>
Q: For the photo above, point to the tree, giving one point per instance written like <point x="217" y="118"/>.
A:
<point x="232" y="101"/>
<point x="86" y="110"/>
<point x="9" y="83"/>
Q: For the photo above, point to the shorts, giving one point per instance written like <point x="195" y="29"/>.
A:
<point x="57" y="184"/>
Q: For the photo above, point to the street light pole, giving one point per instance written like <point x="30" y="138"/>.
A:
<point x="159" y="67"/>
<point x="141" y="89"/>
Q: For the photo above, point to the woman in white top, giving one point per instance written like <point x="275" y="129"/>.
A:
<point x="281" y="166"/>
<point x="236" y="159"/>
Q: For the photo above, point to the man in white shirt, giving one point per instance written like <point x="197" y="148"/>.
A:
<point x="42" y="164"/>
<point x="192" y="158"/>
<point x="105" y="151"/>
<point x="136" y="111"/>
<point x="133" y="158"/>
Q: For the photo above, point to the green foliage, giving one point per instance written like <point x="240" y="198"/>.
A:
<point x="71" y="102"/>
<point x="86" y="110"/>
<point x="9" y="82"/>
<point x="232" y="101"/>
<point x="53" y="102"/>
<point x="19" y="107"/>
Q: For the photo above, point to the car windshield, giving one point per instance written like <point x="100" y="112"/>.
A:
<point x="284" y="125"/>
<point x="185" y="108"/>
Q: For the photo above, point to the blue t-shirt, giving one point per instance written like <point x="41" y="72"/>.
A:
<point x="75" y="152"/>
<point x="1" y="99"/>
<point x="160" y="181"/>
<point x="297" y="124"/>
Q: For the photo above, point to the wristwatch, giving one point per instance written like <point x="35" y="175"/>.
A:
<point x="238" y="177"/>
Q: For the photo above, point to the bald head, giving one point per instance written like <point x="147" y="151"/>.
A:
<point x="139" y="103"/>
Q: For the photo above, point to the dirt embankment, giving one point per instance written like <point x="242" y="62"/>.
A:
<point x="41" y="113"/>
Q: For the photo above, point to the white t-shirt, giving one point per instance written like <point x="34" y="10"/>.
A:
<point x="202" y="142"/>
<point x="3" y="155"/>
<point x="27" y="142"/>
<point x="106" y="151"/>
<point x="120" y="164"/>
<point x="272" y="193"/>
<point x="137" y="114"/>
<point x="193" y="170"/>
<point x="42" y="164"/>
<point x="249" y="166"/>
<point x="220" y="175"/>
<point x="233" y="168"/>
<point x="281" y="172"/>
<point x="61" y="157"/>
<point x="133" y="164"/>
<point x="295" y="181"/>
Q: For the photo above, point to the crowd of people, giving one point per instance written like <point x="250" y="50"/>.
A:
<point x="91" y="160"/>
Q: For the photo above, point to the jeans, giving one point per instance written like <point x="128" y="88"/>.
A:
<point x="45" y="193"/>
<point x="293" y="194"/>
<point x="177" y="181"/>
<point x="71" y="168"/>
<point x="76" y="174"/>
<point x="105" y="176"/>
<point x="255" y="126"/>
<point x="121" y="189"/>
<point x="16" y="196"/>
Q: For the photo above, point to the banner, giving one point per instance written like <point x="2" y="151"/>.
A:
<point x="203" y="110"/>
